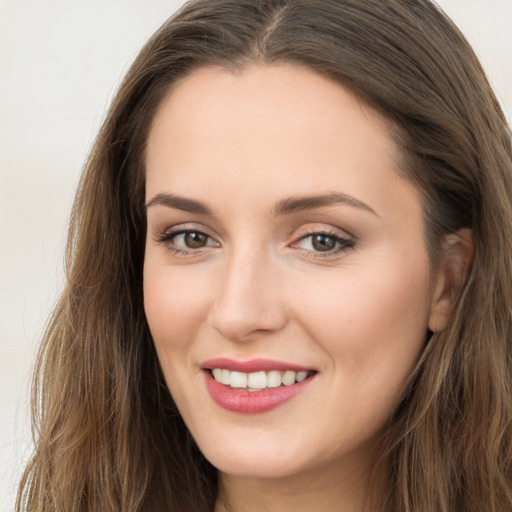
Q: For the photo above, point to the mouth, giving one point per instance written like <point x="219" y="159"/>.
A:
<point x="260" y="380"/>
<point x="255" y="386"/>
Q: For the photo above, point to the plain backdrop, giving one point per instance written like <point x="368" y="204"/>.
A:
<point x="60" y="64"/>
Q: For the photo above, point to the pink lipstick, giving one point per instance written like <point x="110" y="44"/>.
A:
<point x="276" y="382"/>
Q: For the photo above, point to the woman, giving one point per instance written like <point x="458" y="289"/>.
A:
<point x="288" y="274"/>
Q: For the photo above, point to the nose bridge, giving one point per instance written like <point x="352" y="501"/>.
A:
<point x="248" y="300"/>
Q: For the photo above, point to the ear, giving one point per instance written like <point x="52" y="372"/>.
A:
<point x="458" y="251"/>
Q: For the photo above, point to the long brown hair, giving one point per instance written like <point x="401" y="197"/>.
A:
<point x="107" y="434"/>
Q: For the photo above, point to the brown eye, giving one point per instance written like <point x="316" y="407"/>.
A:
<point x="195" y="240"/>
<point x="323" y="243"/>
<point x="187" y="241"/>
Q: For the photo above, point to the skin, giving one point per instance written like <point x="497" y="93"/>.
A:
<point x="259" y="288"/>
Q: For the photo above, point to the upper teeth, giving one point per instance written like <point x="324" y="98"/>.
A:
<point x="257" y="380"/>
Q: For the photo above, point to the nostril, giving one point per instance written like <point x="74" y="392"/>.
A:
<point x="247" y="304"/>
<point x="244" y="324"/>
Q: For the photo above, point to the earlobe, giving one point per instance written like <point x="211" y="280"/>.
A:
<point x="457" y="257"/>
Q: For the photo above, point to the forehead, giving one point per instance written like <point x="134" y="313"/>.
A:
<point x="265" y="101"/>
<point x="276" y="129"/>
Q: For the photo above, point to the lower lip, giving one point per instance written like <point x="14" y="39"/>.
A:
<point x="252" y="402"/>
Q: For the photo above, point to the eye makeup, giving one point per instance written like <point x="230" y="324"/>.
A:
<point x="314" y="242"/>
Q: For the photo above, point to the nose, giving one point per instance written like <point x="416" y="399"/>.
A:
<point x="249" y="298"/>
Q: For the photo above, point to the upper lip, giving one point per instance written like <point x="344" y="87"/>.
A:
<point x="252" y="365"/>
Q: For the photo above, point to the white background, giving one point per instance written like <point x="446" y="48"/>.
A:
<point x="60" y="63"/>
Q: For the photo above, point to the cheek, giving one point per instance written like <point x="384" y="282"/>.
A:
<point x="372" y="328"/>
<point x="174" y="306"/>
<point x="372" y="321"/>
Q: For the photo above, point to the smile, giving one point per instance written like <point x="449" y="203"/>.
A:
<point x="255" y="386"/>
<point x="257" y="381"/>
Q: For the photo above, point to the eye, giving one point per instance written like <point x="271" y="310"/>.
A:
<point x="320" y="242"/>
<point x="186" y="241"/>
<point x="191" y="239"/>
<point x="324" y="243"/>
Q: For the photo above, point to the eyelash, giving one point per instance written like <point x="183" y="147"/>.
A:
<point x="343" y="244"/>
<point x="167" y="238"/>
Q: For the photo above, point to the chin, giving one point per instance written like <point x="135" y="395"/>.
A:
<point x="248" y="467"/>
<point x="252" y="461"/>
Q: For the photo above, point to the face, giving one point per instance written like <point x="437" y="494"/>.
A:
<point x="286" y="277"/>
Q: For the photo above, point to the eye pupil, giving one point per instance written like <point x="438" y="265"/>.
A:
<point x="194" y="240"/>
<point x="323" y="243"/>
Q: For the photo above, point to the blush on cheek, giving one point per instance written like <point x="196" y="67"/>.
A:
<point x="365" y="314"/>
<point x="174" y="308"/>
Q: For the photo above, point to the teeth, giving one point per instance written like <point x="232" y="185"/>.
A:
<point x="238" y="380"/>
<point x="226" y="377"/>
<point x="258" y="380"/>
<point x="288" y="378"/>
<point x="301" y="376"/>
<point x="274" y="379"/>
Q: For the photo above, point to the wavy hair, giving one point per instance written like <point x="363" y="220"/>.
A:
<point x="107" y="434"/>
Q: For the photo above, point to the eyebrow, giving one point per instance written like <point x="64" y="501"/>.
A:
<point x="284" y="207"/>
<point x="304" y="203"/>
<point x="179" y="203"/>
